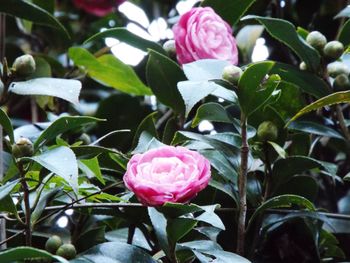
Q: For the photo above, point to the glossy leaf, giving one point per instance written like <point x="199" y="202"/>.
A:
<point x="335" y="98"/>
<point x="193" y="91"/>
<point x="5" y="122"/>
<point x="285" y="32"/>
<point x="62" y="162"/>
<point x="282" y="201"/>
<point x="163" y="74"/>
<point x="229" y="10"/>
<point x="344" y="35"/>
<point x="147" y="125"/>
<point x="22" y="253"/>
<point x="31" y="12"/>
<point x="110" y="71"/>
<point x="205" y="69"/>
<point x="253" y="90"/>
<point x="44" y="199"/>
<point x="92" y="169"/>
<point x="6" y="202"/>
<point x="124" y="35"/>
<point x="315" y="128"/>
<point x="66" y="89"/>
<point x="114" y="252"/>
<point x="212" y="112"/>
<point x="344" y="13"/>
<point x="306" y="81"/>
<point x="62" y="125"/>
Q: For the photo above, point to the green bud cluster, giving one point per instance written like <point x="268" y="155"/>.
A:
<point x="22" y="148"/>
<point x="267" y="131"/>
<point x="24" y="65"/>
<point x="232" y="74"/>
<point x="54" y="245"/>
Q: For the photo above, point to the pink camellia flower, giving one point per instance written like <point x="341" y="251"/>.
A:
<point x="98" y="7"/>
<point x="202" y="34"/>
<point x="167" y="174"/>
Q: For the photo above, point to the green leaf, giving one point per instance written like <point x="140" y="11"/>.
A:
<point x="110" y="71"/>
<point x="66" y="89"/>
<point x="246" y="39"/>
<point x="205" y="69"/>
<point x="282" y="201"/>
<point x="45" y="198"/>
<point x="285" y="32"/>
<point x="62" y="162"/>
<point x="210" y="217"/>
<point x="6" y="202"/>
<point x="31" y="12"/>
<point x="306" y="81"/>
<point x="159" y="223"/>
<point x="335" y="98"/>
<point x="315" y="128"/>
<point x="302" y="185"/>
<point x="194" y="91"/>
<point x="5" y="122"/>
<point x="344" y="35"/>
<point x="24" y="253"/>
<point x="163" y="74"/>
<point x="124" y="35"/>
<point x="48" y="5"/>
<point x="91" y="167"/>
<point x="253" y="90"/>
<point x="148" y="125"/>
<point x="178" y="228"/>
<point x="62" y="125"/>
<point x="42" y="69"/>
<point x="146" y="142"/>
<point x="114" y="252"/>
<point x="279" y="150"/>
<point x="212" y="112"/>
<point x="229" y="10"/>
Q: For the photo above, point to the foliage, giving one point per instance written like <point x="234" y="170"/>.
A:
<point x="84" y="111"/>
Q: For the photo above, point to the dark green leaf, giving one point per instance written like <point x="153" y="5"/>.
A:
<point x="344" y="13"/>
<point x="315" y="128"/>
<point x="305" y="186"/>
<point x="253" y="90"/>
<point x="177" y="228"/>
<point x="229" y="10"/>
<point x="31" y="12"/>
<point x="44" y="199"/>
<point x="212" y="112"/>
<point x="92" y="169"/>
<point x="22" y="253"/>
<point x="307" y="82"/>
<point x="282" y="201"/>
<point x="110" y="71"/>
<point x="124" y="35"/>
<point x="66" y="89"/>
<point x="146" y="142"/>
<point x="114" y="252"/>
<point x="335" y="98"/>
<point x="163" y="74"/>
<point x="344" y="35"/>
<point x="159" y="223"/>
<point x="5" y="122"/>
<point x="62" y="125"/>
<point x="147" y="125"/>
<point x="285" y="32"/>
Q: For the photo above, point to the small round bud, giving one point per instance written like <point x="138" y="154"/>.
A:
<point x="22" y="148"/>
<point x="24" y="65"/>
<point x="336" y="68"/>
<point x="341" y="82"/>
<point x="333" y="50"/>
<point x="85" y="139"/>
<point x="66" y="251"/>
<point x="170" y="48"/>
<point x="316" y="40"/>
<point x="53" y="243"/>
<point x="267" y="131"/>
<point x="303" y="66"/>
<point x="232" y="74"/>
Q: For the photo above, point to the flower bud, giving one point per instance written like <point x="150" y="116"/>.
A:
<point x="303" y="66"/>
<point x="232" y="74"/>
<point x="267" y="131"/>
<point x="336" y="68"/>
<point x="170" y="48"/>
<point x="66" y="251"/>
<point x="341" y="82"/>
<point x="333" y="50"/>
<point x="316" y="40"/>
<point x="24" y="65"/>
<point x="86" y="140"/>
<point x="22" y="148"/>
<point x="52" y="244"/>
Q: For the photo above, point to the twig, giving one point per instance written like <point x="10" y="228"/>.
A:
<point x="11" y="237"/>
<point x="163" y="118"/>
<point x="131" y="233"/>
<point x="242" y="187"/>
<point x="342" y="124"/>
